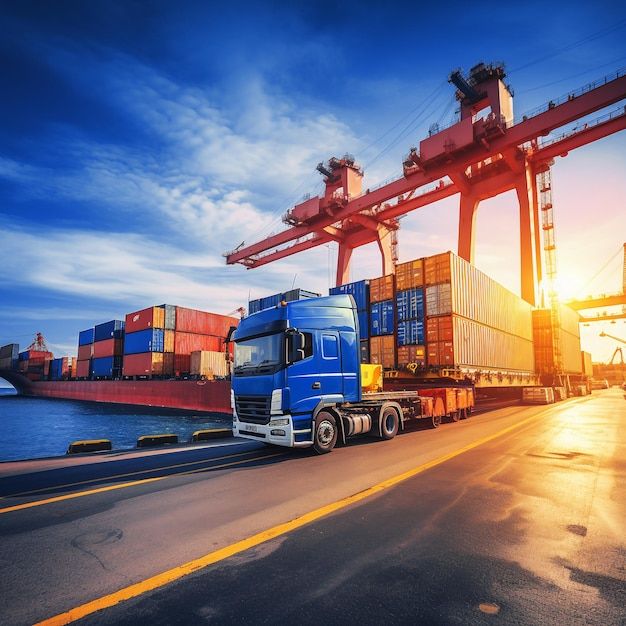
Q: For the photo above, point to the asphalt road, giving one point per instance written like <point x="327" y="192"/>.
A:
<point x="520" y="520"/>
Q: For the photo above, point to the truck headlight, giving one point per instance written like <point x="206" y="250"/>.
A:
<point x="283" y="421"/>
<point x="277" y="402"/>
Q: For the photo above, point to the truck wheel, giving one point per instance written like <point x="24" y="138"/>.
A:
<point x="389" y="423"/>
<point x="456" y="415"/>
<point x="436" y="421"/>
<point x="325" y="434"/>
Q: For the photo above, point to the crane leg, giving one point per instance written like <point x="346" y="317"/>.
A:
<point x="343" y="264"/>
<point x="467" y="223"/>
<point x="528" y="207"/>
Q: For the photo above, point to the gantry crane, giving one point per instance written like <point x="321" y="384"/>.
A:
<point x="480" y="156"/>
<point x="617" y="351"/>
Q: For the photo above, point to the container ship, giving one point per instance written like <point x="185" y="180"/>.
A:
<point x="437" y="318"/>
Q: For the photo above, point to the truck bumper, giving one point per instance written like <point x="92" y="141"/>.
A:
<point x="276" y="432"/>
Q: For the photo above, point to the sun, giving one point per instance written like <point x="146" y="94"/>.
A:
<point x="567" y="286"/>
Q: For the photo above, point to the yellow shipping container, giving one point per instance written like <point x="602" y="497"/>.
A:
<point x="209" y="364"/>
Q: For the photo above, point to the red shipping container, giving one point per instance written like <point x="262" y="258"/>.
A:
<point x="168" y="363"/>
<point x="143" y="364"/>
<point x="186" y="343"/>
<point x="85" y="352"/>
<point x="39" y="355"/>
<point x="182" y="364"/>
<point x="152" y="317"/>
<point x="82" y="368"/>
<point x="107" y="347"/>
<point x="203" y="323"/>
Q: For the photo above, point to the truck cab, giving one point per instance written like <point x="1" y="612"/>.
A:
<point x="290" y="362"/>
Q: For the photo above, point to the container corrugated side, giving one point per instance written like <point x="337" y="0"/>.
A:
<point x="364" y="324"/>
<point x="478" y="346"/>
<point x="410" y="304"/>
<point x="410" y="332"/>
<point x="169" y="317"/>
<point x="382" y="288"/>
<point x="439" y="329"/>
<point x="106" y="367"/>
<point x="107" y="347"/>
<point x="83" y="368"/>
<point x="148" y="340"/>
<point x="152" y="317"/>
<point x="382" y="318"/>
<point x="587" y="365"/>
<point x="410" y="274"/>
<point x="383" y="351"/>
<point x="203" y="323"/>
<point x="108" y="330"/>
<point x="86" y="336"/>
<point x="208" y="363"/>
<point x="186" y="343"/>
<point x="143" y="364"/>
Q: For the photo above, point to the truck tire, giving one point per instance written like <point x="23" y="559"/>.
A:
<point x="435" y="421"/>
<point x="389" y="423"/>
<point x="324" y="432"/>
<point x="456" y="415"/>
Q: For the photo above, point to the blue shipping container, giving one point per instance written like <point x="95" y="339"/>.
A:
<point x="359" y="291"/>
<point x="108" y="330"/>
<point x="411" y="333"/>
<point x="23" y="356"/>
<point x="106" y="367"/>
<point x="56" y="369"/>
<point x="410" y="304"/>
<point x="85" y="337"/>
<point x="149" y="340"/>
<point x="364" y="324"/>
<point x="382" y="318"/>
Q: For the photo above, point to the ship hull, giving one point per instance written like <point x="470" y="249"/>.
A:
<point x="210" y="396"/>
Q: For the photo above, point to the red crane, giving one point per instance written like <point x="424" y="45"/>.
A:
<point x="480" y="156"/>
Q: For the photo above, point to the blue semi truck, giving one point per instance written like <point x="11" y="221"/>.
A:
<point x="297" y="380"/>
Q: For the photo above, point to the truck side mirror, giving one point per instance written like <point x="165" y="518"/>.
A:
<point x="296" y="343"/>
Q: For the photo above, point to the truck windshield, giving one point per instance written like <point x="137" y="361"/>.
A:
<point x="261" y="355"/>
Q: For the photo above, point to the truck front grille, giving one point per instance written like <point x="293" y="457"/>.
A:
<point x="253" y="409"/>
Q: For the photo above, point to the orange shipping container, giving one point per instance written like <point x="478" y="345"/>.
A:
<point x="439" y="329"/>
<point x="85" y="352"/>
<point x="411" y="354"/>
<point x="437" y="269"/>
<point x="152" y="317"/>
<point x="383" y="351"/>
<point x="203" y="323"/>
<point x="410" y="274"/>
<point x="186" y="343"/>
<point x="381" y="288"/>
<point x="82" y="368"/>
<point x="107" y="347"/>
<point x="143" y="364"/>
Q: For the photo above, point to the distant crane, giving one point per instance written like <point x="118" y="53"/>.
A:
<point x="38" y="344"/>
<point x="617" y="351"/>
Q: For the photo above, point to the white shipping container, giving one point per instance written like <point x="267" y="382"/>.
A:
<point x="480" y="346"/>
<point x="209" y="363"/>
<point x="472" y="294"/>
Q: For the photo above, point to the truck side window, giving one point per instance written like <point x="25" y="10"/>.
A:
<point x="330" y="349"/>
<point x="308" y="345"/>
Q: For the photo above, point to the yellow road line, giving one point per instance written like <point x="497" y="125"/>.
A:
<point x="143" y="481"/>
<point x="136" y="473"/>
<point x="176" y="573"/>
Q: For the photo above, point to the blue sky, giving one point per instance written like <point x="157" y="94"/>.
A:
<point x="140" y="140"/>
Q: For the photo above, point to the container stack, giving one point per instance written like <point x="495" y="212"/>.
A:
<point x="360" y="291"/>
<point x="545" y="330"/>
<point x="9" y="356"/>
<point x="209" y="364"/>
<point x="159" y="340"/>
<point x="410" y="312"/>
<point x="85" y="353"/>
<point x="382" y="321"/>
<point x="260" y="304"/>
<point x="35" y="364"/>
<point x="144" y="340"/>
<point x="108" y="350"/>
<point x="441" y="312"/>
<point x="61" y="368"/>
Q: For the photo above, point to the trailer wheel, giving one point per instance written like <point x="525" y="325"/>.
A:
<point x="464" y="413"/>
<point x="325" y="434"/>
<point x="435" y="421"/>
<point x="468" y="412"/>
<point x="456" y="415"/>
<point x="389" y="423"/>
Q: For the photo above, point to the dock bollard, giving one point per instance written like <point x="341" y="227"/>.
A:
<point x="212" y="433"/>
<point x="89" y="445"/>
<point x="147" y="441"/>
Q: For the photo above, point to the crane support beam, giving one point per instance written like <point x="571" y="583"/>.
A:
<point x="507" y="143"/>
<point x="603" y="318"/>
<point x="599" y="302"/>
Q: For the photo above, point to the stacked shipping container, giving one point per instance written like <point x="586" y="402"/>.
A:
<point x="442" y="312"/>
<point x="35" y="364"/>
<point x="108" y="350"/>
<point x="360" y="292"/>
<point x="9" y="356"/>
<point x="260" y="304"/>
<point x="544" y="327"/>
